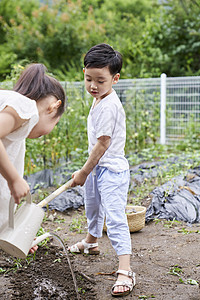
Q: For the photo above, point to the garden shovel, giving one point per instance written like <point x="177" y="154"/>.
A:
<point x="18" y="237"/>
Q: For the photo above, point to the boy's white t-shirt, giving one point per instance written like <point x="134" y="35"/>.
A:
<point x="14" y="142"/>
<point x="108" y="118"/>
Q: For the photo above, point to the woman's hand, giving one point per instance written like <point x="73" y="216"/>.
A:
<point x="33" y="249"/>
<point x="19" y="188"/>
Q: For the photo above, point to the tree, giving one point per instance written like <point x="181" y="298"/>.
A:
<point x="153" y="36"/>
<point x="56" y="35"/>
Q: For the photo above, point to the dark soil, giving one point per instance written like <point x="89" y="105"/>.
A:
<point x="165" y="258"/>
<point x="48" y="276"/>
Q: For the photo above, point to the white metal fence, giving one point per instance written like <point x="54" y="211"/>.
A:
<point x="165" y="109"/>
<point x="182" y="109"/>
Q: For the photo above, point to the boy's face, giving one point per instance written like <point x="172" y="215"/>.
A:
<point x="98" y="82"/>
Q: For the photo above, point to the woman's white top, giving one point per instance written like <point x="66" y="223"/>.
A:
<point x="14" y="142"/>
<point x="108" y="118"/>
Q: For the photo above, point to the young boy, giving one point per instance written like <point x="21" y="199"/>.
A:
<point x="106" y="172"/>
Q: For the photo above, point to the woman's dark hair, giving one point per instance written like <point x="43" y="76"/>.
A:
<point x="35" y="84"/>
<point x="103" y="55"/>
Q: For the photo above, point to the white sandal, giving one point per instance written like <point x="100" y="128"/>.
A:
<point x="87" y="248"/>
<point x="125" y="283"/>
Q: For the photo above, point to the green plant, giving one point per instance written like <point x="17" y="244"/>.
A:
<point x="81" y="290"/>
<point x="77" y="224"/>
<point x="41" y="231"/>
<point x="142" y="118"/>
<point x="59" y="220"/>
<point x="57" y="260"/>
<point x="146" y="297"/>
<point x="165" y="172"/>
<point x="2" y="270"/>
<point x="67" y="141"/>
<point x="171" y="224"/>
<point x="40" y="193"/>
<point x="177" y="271"/>
<point x="192" y="282"/>
<point x="17" y="264"/>
<point x="191" y="132"/>
<point x="186" y="231"/>
<point x="57" y="229"/>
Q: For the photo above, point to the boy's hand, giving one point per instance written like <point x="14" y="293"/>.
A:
<point x="79" y="178"/>
<point x="19" y="188"/>
<point x="97" y="152"/>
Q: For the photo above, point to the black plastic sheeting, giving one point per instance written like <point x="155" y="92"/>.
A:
<point x="154" y="169"/>
<point x="178" y="199"/>
<point x="72" y="198"/>
<point x="69" y="199"/>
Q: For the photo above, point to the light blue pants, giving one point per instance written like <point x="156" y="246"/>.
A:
<point x="106" y="196"/>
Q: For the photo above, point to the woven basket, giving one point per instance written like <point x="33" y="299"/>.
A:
<point x="136" y="220"/>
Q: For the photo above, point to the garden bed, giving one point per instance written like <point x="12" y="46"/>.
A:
<point x="165" y="259"/>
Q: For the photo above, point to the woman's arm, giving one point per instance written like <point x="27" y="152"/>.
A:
<point x="9" y="122"/>
<point x="97" y="152"/>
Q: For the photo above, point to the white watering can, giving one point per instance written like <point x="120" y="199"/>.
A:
<point x="18" y="237"/>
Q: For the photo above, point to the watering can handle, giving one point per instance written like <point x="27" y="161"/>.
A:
<point x="11" y="212"/>
<point x="12" y="206"/>
<point x="57" y="192"/>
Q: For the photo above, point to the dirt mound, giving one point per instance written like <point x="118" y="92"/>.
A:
<point x="48" y="276"/>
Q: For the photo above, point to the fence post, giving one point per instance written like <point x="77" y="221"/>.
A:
<point x="163" y="108"/>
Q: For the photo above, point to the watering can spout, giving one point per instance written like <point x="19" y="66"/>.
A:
<point x="40" y="238"/>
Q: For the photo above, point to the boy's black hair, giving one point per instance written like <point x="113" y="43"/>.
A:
<point x="103" y="55"/>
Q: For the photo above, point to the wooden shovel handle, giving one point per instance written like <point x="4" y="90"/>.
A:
<point x="57" y="192"/>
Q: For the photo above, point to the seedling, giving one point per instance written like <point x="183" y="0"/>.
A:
<point x="146" y="297"/>
<point x="16" y="265"/>
<point x="177" y="271"/>
<point x="57" y="260"/>
<point x="2" y="270"/>
<point x="186" y="231"/>
<point x="192" y="282"/>
<point x="171" y="224"/>
<point x="167" y="223"/>
<point x="77" y="224"/>
<point x="58" y="229"/>
<point x="81" y="290"/>
<point x="59" y="220"/>
<point x="40" y="232"/>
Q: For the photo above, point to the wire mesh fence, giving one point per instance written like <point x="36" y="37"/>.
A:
<point x="150" y="120"/>
<point x="183" y="109"/>
<point x="141" y="99"/>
